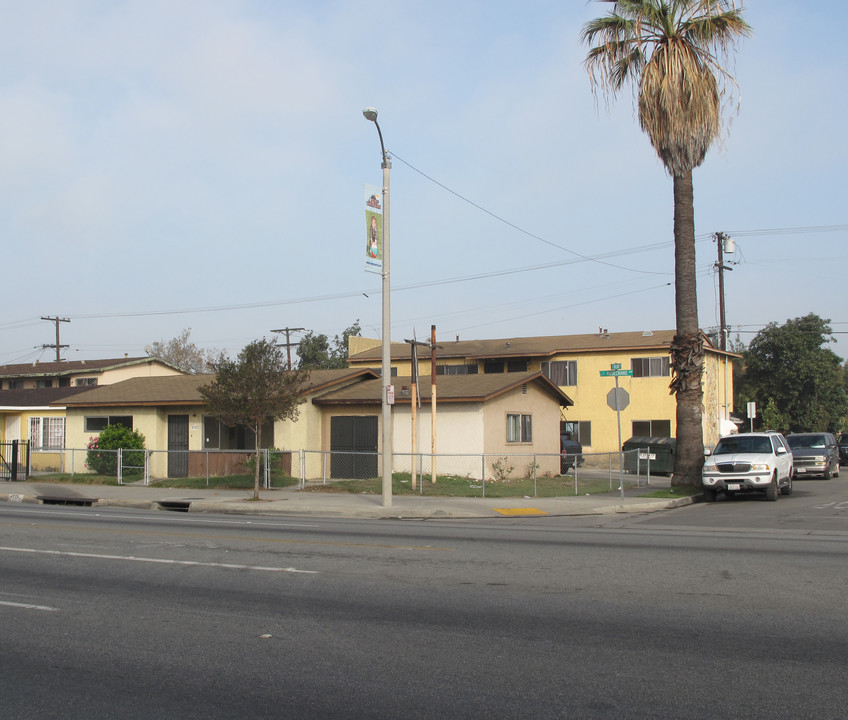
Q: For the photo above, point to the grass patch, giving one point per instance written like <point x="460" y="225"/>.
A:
<point x="457" y="486"/>
<point x="224" y="482"/>
<point x="76" y="479"/>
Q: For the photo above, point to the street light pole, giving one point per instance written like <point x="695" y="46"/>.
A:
<point x="386" y="370"/>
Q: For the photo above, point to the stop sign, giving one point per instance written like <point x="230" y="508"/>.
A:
<point x="618" y="398"/>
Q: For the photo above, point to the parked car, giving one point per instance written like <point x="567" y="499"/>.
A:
<point x="843" y="448"/>
<point x="815" y="454"/>
<point x="749" y="462"/>
<point x="571" y="454"/>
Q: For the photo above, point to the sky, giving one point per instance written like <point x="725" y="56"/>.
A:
<point x="173" y="164"/>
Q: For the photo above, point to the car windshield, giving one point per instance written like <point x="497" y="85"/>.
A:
<point x="729" y="445"/>
<point x="806" y="441"/>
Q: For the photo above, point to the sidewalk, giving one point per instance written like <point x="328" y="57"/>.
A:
<point x="290" y="501"/>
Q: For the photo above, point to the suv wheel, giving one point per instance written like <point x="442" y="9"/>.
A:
<point x="787" y="489"/>
<point x="771" y="490"/>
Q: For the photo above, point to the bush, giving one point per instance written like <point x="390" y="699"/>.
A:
<point x="102" y="455"/>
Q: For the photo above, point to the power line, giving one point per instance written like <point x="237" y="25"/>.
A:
<point x="517" y="227"/>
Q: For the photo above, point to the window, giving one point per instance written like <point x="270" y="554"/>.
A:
<point x="580" y="430"/>
<point x="16" y="384"/>
<point x="517" y="365"/>
<point x="44" y="383"/>
<point x="652" y="428"/>
<point x="219" y="436"/>
<point x="650" y="367"/>
<point x="80" y="382"/>
<point x="47" y="433"/>
<point x="493" y="366"/>
<point x="456" y="369"/>
<point x="96" y="423"/>
<point x="519" y="428"/>
<point x="561" y="372"/>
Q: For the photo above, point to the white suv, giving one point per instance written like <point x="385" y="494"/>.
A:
<point x="749" y="462"/>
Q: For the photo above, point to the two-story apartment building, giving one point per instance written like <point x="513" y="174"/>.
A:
<point x="574" y="363"/>
<point x="31" y="395"/>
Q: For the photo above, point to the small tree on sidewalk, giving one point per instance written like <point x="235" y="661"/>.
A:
<point x="254" y="389"/>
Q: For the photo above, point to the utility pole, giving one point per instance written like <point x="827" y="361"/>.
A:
<point x="433" y="347"/>
<point x="58" y="345"/>
<point x="413" y="349"/>
<point x="288" y="344"/>
<point x="722" y="241"/>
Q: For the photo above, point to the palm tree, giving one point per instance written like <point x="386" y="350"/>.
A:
<point x="672" y="51"/>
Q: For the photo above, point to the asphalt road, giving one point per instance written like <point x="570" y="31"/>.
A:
<point x="689" y="614"/>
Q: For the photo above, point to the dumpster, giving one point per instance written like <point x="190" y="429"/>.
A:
<point x="638" y="450"/>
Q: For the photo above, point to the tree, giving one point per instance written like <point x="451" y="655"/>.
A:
<point x="102" y="456"/>
<point x="254" y="389"/>
<point x="672" y="51"/>
<point x="796" y="381"/>
<point x="316" y="353"/>
<point x="183" y="353"/>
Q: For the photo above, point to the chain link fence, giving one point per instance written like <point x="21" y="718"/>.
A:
<point x="460" y="475"/>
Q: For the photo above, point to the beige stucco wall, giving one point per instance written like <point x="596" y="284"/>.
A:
<point x="467" y="431"/>
<point x="147" y="369"/>
<point x="545" y="412"/>
<point x="151" y="422"/>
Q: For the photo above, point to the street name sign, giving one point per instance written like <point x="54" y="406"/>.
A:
<point x="616" y="373"/>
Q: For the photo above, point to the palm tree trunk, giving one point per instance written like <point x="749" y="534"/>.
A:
<point x="687" y="353"/>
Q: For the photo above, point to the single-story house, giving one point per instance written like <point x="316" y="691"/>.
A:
<point x="341" y="414"/>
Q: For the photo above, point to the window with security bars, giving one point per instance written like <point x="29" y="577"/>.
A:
<point x="651" y="428"/>
<point x="96" y="423"/>
<point x="650" y="367"/>
<point x="561" y="372"/>
<point x="47" y="433"/>
<point x="519" y="428"/>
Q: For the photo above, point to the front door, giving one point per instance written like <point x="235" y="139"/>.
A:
<point x="177" y="446"/>
<point x="353" y="446"/>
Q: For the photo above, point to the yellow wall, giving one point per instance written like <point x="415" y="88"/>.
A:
<point x="41" y="461"/>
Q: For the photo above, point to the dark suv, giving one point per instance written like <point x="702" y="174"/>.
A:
<point x="815" y="454"/>
<point x="843" y="448"/>
<point x="571" y="454"/>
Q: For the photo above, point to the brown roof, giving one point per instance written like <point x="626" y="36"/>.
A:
<point x="450" y="388"/>
<point x="539" y="347"/>
<point x="163" y="390"/>
<point x="38" y="397"/>
<point x="72" y="367"/>
<point x="182" y="389"/>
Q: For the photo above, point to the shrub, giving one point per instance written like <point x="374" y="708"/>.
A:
<point x="102" y="455"/>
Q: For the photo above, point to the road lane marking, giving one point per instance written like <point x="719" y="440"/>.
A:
<point x="28" y="606"/>
<point x="160" y="561"/>
<point x="199" y="536"/>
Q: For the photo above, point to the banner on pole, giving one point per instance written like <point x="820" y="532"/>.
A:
<point x="373" y="229"/>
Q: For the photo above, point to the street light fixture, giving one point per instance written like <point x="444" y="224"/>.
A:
<point x="386" y="370"/>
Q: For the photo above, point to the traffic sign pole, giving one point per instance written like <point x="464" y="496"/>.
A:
<point x="620" y="449"/>
<point x="617" y="403"/>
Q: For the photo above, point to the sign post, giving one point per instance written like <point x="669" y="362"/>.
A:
<point x="618" y="399"/>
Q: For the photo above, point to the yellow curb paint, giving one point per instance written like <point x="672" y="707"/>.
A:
<point x="519" y="511"/>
